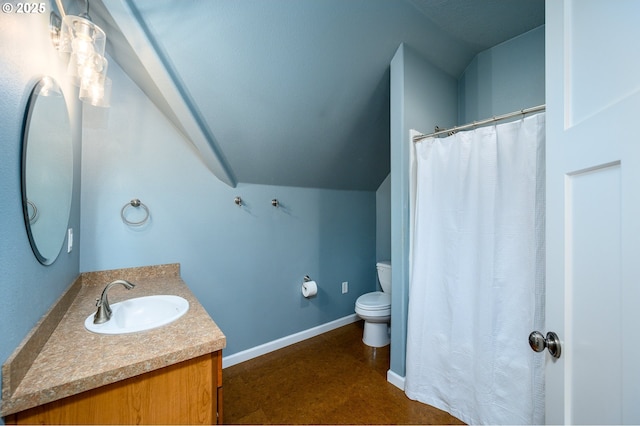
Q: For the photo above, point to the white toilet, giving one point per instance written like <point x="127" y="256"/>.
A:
<point x="375" y="309"/>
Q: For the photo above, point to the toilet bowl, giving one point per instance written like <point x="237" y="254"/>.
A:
<point x="375" y="309"/>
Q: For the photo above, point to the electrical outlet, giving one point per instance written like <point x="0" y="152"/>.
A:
<point x="345" y="287"/>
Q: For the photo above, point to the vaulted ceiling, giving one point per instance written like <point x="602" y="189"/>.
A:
<point x="294" y="92"/>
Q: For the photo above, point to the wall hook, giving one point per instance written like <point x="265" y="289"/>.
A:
<point x="238" y="201"/>
<point x="275" y="203"/>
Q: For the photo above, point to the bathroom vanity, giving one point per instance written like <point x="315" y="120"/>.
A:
<point x="64" y="374"/>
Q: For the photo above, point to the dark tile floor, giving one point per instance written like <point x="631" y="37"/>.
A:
<point x="330" y="379"/>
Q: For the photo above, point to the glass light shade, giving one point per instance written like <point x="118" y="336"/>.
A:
<point x="83" y="73"/>
<point x="98" y="93"/>
<point x="85" y="42"/>
<point x="73" y="71"/>
<point x="82" y="49"/>
<point x="81" y="37"/>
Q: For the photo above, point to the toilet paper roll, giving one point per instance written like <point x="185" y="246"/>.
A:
<point x="309" y="289"/>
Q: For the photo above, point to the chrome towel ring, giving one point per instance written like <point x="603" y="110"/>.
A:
<point x="135" y="203"/>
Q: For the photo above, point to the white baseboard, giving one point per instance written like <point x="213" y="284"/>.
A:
<point x="274" y="345"/>
<point x="395" y="379"/>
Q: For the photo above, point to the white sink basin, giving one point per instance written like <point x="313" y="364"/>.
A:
<point x="140" y="314"/>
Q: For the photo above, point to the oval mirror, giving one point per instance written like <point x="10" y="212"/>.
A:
<point x="47" y="170"/>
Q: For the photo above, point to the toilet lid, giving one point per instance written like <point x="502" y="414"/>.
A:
<point x="375" y="301"/>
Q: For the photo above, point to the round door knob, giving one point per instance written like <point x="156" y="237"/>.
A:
<point x="538" y="343"/>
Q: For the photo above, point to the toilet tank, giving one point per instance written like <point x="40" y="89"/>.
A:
<point x="384" y="275"/>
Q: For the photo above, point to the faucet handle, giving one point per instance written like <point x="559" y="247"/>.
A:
<point x="103" y="314"/>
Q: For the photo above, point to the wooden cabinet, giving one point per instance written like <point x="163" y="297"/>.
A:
<point x="189" y="392"/>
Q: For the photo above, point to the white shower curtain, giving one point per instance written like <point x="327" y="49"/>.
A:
<point x="477" y="278"/>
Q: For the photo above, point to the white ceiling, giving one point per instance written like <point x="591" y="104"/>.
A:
<point x="295" y="92"/>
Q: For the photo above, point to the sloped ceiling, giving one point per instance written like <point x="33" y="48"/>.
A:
<point x="294" y="92"/>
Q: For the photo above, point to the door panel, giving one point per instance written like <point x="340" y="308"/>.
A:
<point x="593" y="210"/>
<point x="597" y="40"/>
<point x="592" y="280"/>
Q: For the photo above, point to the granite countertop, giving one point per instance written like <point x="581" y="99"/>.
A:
<point x="72" y="359"/>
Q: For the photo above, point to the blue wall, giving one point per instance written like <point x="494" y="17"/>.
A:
<point x="27" y="288"/>
<point x="383" y="220"/>
<point x="245" y="264"/>
<point x="505" y="78"/>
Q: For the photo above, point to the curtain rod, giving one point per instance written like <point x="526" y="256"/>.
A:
<point x="538" y="108"/>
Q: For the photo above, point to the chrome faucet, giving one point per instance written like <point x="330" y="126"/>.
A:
<point x="103" y="314"/>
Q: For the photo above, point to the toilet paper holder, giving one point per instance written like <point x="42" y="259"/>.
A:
<point x="309" y="287"/>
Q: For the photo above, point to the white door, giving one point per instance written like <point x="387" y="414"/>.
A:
<point x="593" y="210"/>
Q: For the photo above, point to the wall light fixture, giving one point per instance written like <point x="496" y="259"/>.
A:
<point x="85" y="43"/>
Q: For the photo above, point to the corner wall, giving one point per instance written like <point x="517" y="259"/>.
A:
<point x="422" y="96"/>
<point x="28" y="288"/>
<point x="508" y="77"/>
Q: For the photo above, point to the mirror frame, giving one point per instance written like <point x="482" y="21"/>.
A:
<point x="44" y="85"/>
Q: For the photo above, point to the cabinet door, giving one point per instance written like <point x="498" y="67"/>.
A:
<point x="184" y="393"/>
